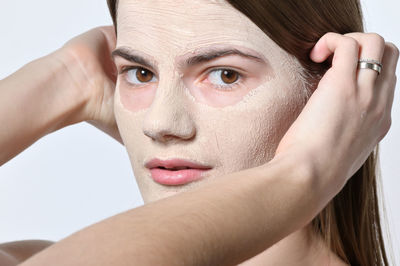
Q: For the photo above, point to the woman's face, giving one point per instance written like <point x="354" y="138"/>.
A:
<point x="203" y="83"/>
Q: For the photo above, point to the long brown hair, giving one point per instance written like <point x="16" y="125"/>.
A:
<point x="350" y="223"/>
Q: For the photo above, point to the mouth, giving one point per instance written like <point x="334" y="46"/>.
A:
<point x="175" y="168"/>
<point x="175" y="172"/>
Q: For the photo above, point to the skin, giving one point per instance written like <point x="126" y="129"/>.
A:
<point x="88" y="88"/>
<point x="12" y="253"/>
<point x="186" y="103"/>
<point x="304" y="177"/>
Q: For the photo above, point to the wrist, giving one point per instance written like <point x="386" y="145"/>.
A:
<point x="36" y="100"/>
<point x="307" y="172"/>
<point x="66" y="84"/>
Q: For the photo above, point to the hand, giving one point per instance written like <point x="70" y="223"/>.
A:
<point x="349" y="112"/>
<point x="88" y="60"/>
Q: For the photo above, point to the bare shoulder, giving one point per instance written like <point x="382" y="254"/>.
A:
<point x="12" y="253"/>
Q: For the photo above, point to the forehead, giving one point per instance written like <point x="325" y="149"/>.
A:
<point x="179" y="26"/>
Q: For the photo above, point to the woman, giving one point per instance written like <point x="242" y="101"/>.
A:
<point x="251" y="126"/>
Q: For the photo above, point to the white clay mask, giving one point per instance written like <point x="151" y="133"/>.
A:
<point x="204" y="83"/>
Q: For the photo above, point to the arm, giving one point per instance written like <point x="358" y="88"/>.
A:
<point x="230" y="219"/>
<point x="70" y="85"/>
<point x="234" y="217"/>
<point x="16" y="252"/>
<point x="49" y="103"/>
<point x="6" y="259"/>
<point x="35" y="101"/>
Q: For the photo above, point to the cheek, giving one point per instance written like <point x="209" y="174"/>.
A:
<point x="129" y="123"/>
<point x="235" y="137"/>
<point x="135" y="99"/>
<point x="253" y="139"/>
<point x="248" y="137"/>
<point x="212" y="96"/>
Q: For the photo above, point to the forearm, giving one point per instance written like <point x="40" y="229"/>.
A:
<point x="6" y="259"/>
<point x="34" y="101"/>
<point x="229" y="220"/>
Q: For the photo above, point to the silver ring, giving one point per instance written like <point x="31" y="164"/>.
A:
<point x="370" y="64"/>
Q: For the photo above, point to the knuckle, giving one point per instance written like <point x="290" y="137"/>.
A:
<point x="377" y="41"/>
<point x="351" y="43"/>
<point x="376" y="38"/>
<point x="331" y="34"/>
<point x="349" y="40"/>
<point x="353" y="34"/>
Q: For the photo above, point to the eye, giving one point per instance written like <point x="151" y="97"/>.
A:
<point x="221" y="77"/>
<point x="139" y="75"/>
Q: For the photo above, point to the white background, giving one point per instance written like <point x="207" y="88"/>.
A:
<point x="78" y="175"/>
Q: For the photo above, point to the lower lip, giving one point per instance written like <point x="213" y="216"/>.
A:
<point x="179" y="177"/>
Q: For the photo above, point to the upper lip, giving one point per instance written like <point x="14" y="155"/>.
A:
<point x="174" y="163"/>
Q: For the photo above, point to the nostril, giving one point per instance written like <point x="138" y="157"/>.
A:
<point x="169" y="137"/>
<point x="166" y="127"/>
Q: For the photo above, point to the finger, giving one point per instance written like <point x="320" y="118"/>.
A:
<point x="390" y="58"/>
<point x="386" y="81"/>
<point x="372" y="47"/>
<point x="109" y="33"/>
<point x="390" y="98"/>
<point x="345" y="53"/>
<point x="386" y="103"/>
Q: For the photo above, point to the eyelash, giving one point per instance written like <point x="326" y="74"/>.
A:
<point x="228" y="86"/>
<point x="124" y="70"/>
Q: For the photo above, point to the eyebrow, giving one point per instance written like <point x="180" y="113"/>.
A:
<point x="214" y="54"/>
<point x="130" y="55"/>
<point x="208" y="55"/>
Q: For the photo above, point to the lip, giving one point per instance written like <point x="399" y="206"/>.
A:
<point x="175" y="162"/>
<point x="194" y="172"/>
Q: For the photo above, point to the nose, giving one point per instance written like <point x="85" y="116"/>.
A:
<point x="167" y="118"/>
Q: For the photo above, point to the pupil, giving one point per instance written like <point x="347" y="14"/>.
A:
<point x="229" y="76"/>
<point x="143" y="75"/>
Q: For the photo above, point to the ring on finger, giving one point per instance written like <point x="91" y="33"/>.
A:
<point x="370" y="64"/>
